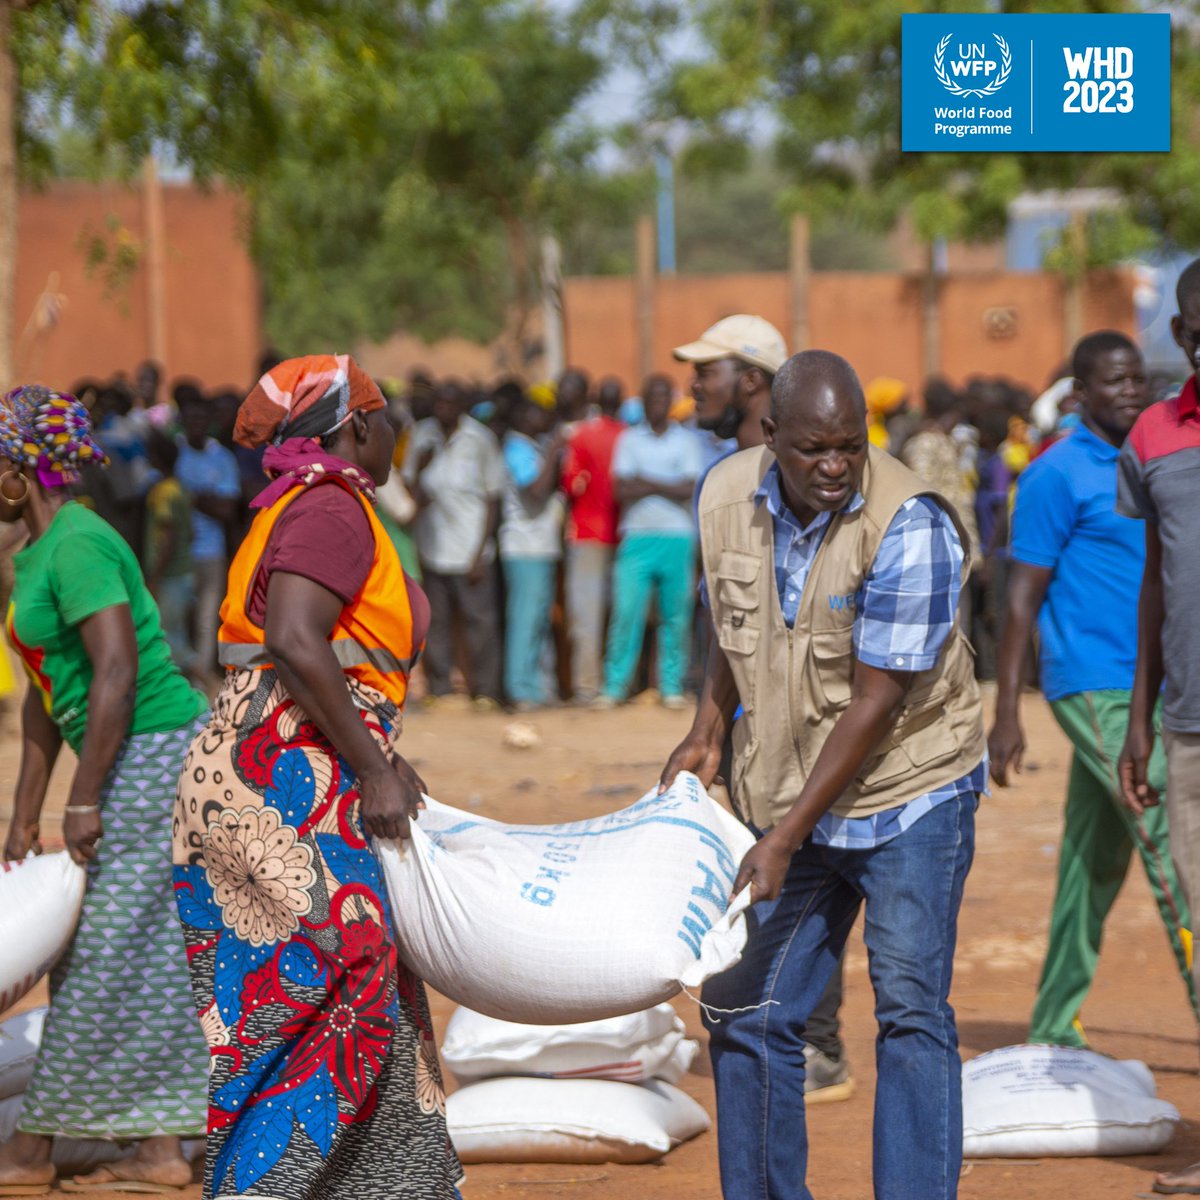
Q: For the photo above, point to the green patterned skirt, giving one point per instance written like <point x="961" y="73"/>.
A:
<point x="123" y="1055"/>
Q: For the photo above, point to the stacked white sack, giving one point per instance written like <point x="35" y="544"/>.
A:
<point x="570" y="1120"/>
<point x="1044" y="1101"/>
<point x="557" y="924"/>
<point x="40" y="899"/>
<point x="636" y="1116"/>
<point x="634" y="1048"/>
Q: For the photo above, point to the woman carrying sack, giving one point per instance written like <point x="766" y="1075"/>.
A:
<point x="122" y="1056"/>
<point x="325" y="1082"/>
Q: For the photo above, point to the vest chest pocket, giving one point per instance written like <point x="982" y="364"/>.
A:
<point x="739" y="601"/>
<point x="737" y="609"/>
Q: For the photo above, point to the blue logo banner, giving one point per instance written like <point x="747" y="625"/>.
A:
<point x="1036" y="82"/>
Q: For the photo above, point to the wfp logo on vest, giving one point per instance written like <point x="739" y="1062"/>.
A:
<point x="973" y="65"/>
<point x="843" y="603"/>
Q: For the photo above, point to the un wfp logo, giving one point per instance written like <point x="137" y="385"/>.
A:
<point x="971" y="62"/>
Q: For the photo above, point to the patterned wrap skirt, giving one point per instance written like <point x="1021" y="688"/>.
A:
<point x="324" y="1081"/>
<point x="122" y="1056"/>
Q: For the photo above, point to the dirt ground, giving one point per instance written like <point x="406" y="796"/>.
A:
<point x="590" y="763"/>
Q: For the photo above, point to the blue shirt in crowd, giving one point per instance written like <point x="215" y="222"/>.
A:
<point x="214" y="471"/>
<point x="1065" y="519"/>
<point x="674" y="456"/>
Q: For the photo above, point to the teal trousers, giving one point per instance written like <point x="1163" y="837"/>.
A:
<point x="662" y="566"/>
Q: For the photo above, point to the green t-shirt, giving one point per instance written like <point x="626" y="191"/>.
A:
<point x="168" y="512"/>
<point x="79" y="566"/>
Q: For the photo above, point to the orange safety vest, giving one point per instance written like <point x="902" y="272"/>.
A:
<point x="373" y="637"/>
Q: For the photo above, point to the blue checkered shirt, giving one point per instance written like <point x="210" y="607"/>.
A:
<point x="904" y="611"/>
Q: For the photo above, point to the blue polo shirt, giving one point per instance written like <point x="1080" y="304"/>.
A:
<point x="1066" y="519"/>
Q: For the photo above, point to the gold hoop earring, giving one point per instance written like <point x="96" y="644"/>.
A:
<point x="20" y="500"/>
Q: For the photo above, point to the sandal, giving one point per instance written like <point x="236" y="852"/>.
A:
<point x="29" y="1189"/>
<point x="91" y="1182"/>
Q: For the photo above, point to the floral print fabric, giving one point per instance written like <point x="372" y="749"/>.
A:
<point x="324" y="1079"/>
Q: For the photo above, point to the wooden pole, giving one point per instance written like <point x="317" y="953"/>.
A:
<point x="554" y="357"/>
<point x="1076" y="277"/>
<point x="156" y="290"/>
<point x="931" y="324"/>
<point x="800" y="280"/>
<point x="644" y="290"/>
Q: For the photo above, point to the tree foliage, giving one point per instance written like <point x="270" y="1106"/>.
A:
<point x="399" y="158"/>
<point x="828" y="73"/>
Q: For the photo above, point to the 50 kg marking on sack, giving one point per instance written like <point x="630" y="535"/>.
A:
<point x="557" y="854"/>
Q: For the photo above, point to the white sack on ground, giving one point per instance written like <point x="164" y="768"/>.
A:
<point x="1053" y="1101"/>
<point x="20" y="1037"/>
<point x="570" y="1120"/>
<point x="644" y="1045"/>
<point x="40" y="899"/>
<point x="555" y="924"/>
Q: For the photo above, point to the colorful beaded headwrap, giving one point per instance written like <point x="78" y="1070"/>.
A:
<point x="49" y="431"/>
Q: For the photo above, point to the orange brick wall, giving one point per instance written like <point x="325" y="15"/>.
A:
<point x="873" y="319"/>
<point x="210" y="285"/>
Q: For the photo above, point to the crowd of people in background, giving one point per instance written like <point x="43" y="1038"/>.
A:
<point x="552" y="525"/>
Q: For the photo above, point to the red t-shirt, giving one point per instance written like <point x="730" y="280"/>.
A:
<point x="325" y="536"/>
<point x="587" y="480"/>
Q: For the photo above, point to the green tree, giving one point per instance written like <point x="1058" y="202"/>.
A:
<point x="427" y="218"/>
<point x="191" y="80"/>
<point x="829" y="74"/>
<point x="399" y="158"/>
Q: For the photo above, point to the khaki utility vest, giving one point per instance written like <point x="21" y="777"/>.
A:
<point x="795" y="683"/>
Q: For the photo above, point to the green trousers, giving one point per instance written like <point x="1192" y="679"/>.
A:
<point x="1098" y="838"/>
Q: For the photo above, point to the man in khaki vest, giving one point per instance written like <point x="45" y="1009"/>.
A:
<point x="735" y="362"/>
<point x="833" y="576"/>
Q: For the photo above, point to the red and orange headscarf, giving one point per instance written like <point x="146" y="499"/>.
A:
<point x="309" y="397"/>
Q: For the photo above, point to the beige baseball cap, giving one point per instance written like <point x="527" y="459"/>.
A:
<point x="751" y="339"/>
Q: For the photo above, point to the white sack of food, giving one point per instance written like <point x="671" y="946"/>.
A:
<point x="644" y="1045"/>
<point x="570" y="1120"/>
<point x="40" y="899"/>
<point x="556" y="924"/>
<point x="1054" y="1101"/>
<point x="20" y="1037"/>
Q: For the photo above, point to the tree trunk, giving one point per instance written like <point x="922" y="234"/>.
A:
<point x="8" y="193"/>
<point x="931" y="317"/>
<point x="799" y="280"/>
<point x="518" y="317"/>
<point x="1076" y="277"/>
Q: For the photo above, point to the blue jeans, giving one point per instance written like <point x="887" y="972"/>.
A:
<point x="913" y="887"/>
<point x="529" y="597"/>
